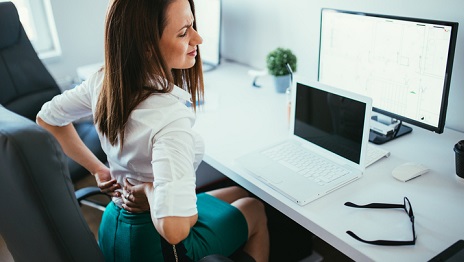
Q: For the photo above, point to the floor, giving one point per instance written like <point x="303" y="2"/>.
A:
<point x="289" y="241"/>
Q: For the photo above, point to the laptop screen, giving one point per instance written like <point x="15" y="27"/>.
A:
<point x="330" y="121"/>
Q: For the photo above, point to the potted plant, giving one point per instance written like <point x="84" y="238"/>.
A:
<point x="277" y="61"/>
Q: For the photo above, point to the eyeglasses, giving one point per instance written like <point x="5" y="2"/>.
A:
<point x="406" y="206"/>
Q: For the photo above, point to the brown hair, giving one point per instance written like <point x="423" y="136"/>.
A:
<point x="134" y="66"/>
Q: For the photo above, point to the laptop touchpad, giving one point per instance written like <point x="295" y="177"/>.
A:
<point x="271" y="175"/>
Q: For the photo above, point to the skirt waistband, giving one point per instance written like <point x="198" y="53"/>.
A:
<point x="128" y="217"/>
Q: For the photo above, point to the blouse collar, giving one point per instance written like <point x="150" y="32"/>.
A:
<point x="181" y="94"/>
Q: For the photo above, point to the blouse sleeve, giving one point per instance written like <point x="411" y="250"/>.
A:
<point x="71" y="105"/>
<point x="174" y="171"/>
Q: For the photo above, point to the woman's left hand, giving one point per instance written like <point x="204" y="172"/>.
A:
<point x="106" y="183"/>
<point x="134" y="198"/>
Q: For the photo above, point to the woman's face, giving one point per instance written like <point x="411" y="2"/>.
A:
<point x="179" y="41"/>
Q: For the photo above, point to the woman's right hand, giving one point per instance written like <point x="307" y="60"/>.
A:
<point x="135" y="196"/>
<point x="107" y="184"/>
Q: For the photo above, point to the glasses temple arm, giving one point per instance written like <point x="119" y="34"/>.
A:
<point x="374" y="205"/>
<point x="381" y="242"/>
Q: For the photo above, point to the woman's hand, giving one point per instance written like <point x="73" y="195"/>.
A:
<point x="107" y="184"/>
<point x="134" y="197"/>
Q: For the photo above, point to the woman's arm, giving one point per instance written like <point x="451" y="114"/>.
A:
<point x="74" y="148"/>
<point x="173" y="229"/>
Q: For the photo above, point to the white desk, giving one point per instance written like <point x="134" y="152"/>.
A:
<point x="238" y="118"/>
<point x="84" y="72"/>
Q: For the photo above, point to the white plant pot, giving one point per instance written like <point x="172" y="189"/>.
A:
<point x="282" y="83"/>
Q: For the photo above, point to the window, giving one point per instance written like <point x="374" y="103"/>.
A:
<point x="37" y="19"/>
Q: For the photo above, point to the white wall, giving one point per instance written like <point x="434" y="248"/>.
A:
<point x="252" y="28"/>
<point x="80" y="26"/>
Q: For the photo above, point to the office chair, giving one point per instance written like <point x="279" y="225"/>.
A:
<point x="25" y="83"/>
<point x="41" y="219"/>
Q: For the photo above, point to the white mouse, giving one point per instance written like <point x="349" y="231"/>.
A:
<point x="408" y="171"/>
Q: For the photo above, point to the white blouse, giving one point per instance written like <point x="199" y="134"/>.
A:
<point x="159" y="144"/>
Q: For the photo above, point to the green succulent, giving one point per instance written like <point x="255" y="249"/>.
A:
<point x="277" y="61"/>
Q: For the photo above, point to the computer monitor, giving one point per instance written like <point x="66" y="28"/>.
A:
<point x="403" y="63"/>
<point x="208" y="20"/>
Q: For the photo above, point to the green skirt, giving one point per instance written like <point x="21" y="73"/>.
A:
<point x="123" y="236"/>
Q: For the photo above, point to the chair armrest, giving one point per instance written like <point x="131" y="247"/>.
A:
<point x="86" y="192"/>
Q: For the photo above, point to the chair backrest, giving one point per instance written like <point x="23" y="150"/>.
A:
<point x="40" y="219"/>
<point x="25" y="83"/>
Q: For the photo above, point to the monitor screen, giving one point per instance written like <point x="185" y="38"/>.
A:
<point x="208" y="21"/>
<point x="404" y="64"/>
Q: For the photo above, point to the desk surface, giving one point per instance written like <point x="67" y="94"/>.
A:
<point x="238" y="118"/>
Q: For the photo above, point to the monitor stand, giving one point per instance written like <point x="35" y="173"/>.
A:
<point x="379" y="138"/>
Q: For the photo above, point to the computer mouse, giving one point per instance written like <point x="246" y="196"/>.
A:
<point x="408" y="171"/>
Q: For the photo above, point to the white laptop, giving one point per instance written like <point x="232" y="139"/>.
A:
<point x="329" y="124"/>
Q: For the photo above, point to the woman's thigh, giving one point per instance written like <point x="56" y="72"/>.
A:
<point x="221" y="229"/>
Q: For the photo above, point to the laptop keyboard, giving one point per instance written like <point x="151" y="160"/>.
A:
<point x="305" y="163"/>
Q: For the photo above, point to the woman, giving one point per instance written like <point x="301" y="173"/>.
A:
<point x="152" y="68"/>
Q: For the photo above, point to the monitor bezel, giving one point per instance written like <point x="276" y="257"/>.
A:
<point x="449" y="64"/>
<point x="209" y="64"/>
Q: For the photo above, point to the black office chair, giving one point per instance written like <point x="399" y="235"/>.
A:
<point x="25" y="83"/>
<point x="41" y="219"/>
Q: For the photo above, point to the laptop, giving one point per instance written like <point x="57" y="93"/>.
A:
<point x="328" y="126"/>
